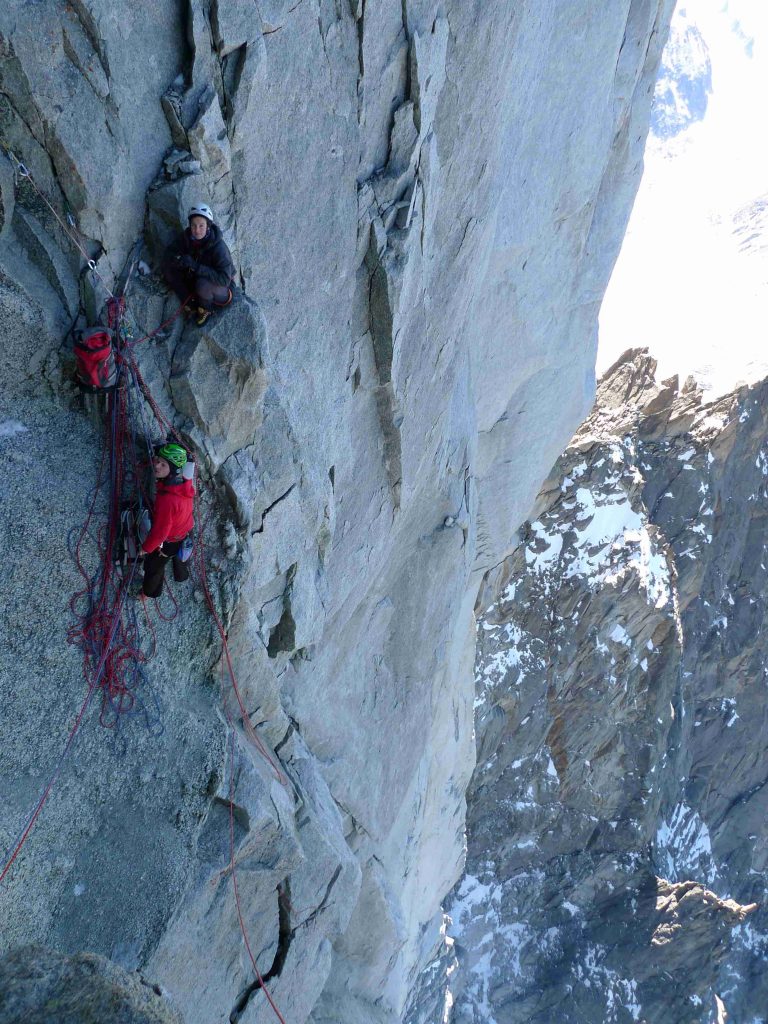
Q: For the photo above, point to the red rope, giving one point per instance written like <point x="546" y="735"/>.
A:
<point x="156" y="410"/>
<point x="102" y="621"/>
<point x="175" y="609"/>
<point x="199" y="558"/>
<point x="233" y="869"/>
<point x="49" y="786"/>
<point x="92" y="685"/>
<point x="115" y="684"/>
<point x="199" y="562"/>
<point x="151" y="334"/>
<point x="101" y="627"/>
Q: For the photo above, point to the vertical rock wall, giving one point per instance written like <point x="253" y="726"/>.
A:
<point x="424" y="201"/>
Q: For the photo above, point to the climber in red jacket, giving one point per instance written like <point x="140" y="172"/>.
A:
<point x="172" y="520"/>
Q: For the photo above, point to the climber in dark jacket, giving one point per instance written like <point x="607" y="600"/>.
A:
<point x="198" y="265"/>
<point x="172" y="519"/>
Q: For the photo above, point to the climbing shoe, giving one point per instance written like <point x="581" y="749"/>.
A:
<point x="203" y="316"/>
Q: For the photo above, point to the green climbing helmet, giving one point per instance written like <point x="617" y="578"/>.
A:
<point x="173" y="454"/>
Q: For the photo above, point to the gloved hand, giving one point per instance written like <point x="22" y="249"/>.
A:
<point x="187" y="262"/>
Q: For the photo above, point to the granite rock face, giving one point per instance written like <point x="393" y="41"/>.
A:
<point x="424" y="202"/>
<point x="39" y="986"/>
<point x="616" y="817"/>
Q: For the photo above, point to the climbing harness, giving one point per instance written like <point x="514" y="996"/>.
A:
<point x="134" y="527"/>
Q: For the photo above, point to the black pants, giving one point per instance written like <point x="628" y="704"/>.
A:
<point x="154" y="568"/>
<point x="204" y="292"/>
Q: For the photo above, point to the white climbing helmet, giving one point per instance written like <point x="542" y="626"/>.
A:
<point x="201" y="210"/>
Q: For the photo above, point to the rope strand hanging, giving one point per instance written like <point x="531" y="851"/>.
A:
<point x="23" y="171"/>
<point x="107" y="626"/>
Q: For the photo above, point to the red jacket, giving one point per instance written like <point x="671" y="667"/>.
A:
<point x="173" y="518"/>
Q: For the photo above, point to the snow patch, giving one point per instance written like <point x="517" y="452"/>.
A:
<point x="494" y="949"/>
<point x="542" y="559"/>
<point x="712" y="422"/>
<point x="620" y="993"/>
<point x="684" y="847"/>
<point x="619" y="635"/>
<point x="10" y="428"/>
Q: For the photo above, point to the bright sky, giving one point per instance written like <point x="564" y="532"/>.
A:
<point x="681" y="285"/>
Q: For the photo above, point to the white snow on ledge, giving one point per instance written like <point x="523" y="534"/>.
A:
<point x="612" y="539"/>
<point x="684" y="847"/>
<point x="492" y="949"/>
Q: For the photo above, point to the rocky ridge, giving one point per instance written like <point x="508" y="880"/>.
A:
<point x="750" y="227"/>
<point x="425" y="201"/>
<point x="685" y="80"/>
<point x="616" y="866"/>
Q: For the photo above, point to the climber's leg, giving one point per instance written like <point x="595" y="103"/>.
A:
<point x="154" y="573"/>
<point x="180" y="570"/>
<point x="210" y="295"/>
<point x="179" y="280"/>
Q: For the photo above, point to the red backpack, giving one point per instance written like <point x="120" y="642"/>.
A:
<point x="95" y="354"/>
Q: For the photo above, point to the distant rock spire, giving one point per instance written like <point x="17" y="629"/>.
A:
<point x="684" y="84"/>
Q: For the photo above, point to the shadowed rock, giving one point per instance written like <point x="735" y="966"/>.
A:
<point x="617" y="814"/>
<point x="41" y="986"/>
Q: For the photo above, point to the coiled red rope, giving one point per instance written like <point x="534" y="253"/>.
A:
<point x="106" y="627"/>
<point x="112" y="647"/>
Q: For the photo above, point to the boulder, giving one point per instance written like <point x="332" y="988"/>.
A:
<point x="218" y="378"/>
<point x="42" y="986"/>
